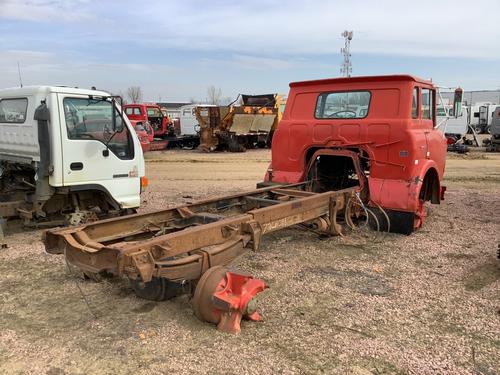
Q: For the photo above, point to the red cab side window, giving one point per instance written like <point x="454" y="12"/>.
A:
<point x="427" y="104"/>
<point x="414" y="104"/>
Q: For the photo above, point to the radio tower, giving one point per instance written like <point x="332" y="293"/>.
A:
<point x="346" y="67"/>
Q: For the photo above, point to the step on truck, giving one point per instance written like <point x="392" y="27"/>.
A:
<point x="67" y="155"/>
<point x="348" y="151"/>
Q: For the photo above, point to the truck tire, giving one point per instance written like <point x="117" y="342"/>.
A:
<point x="234" y="146"/>
<point x="399" y="221"/>
<point x="158" y="289"/>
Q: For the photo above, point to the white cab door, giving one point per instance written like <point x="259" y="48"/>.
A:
<point x="86" y="127"/>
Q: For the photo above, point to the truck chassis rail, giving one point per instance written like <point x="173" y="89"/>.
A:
<point x="179" y="245"/>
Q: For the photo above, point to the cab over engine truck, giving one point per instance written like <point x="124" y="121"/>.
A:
<point x="347" y="151"/>
<point x="148" y="119"/>
<point x="67" y="155"/>
<point x="493" y="144"/>
<point x="161" y="131"/>
<point x="480" y="117"/>
<point x="376" y="132"/>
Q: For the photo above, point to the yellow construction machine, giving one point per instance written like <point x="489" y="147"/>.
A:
<point x="237" y="127"/>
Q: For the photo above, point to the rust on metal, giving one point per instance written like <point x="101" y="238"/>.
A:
<point x="225" y="298"/>
<point x="181" y="244"/>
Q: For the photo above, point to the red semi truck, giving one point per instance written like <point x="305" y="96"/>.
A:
<point x="376" y="132"/>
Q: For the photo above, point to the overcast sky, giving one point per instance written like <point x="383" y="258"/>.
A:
<point x="175" y="49"/>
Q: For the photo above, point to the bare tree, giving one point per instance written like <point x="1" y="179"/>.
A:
<point x="193" y="100"/>
<point x="134" y="93"/>
<point x="122" y="95"/>
<point x="226" y="100"/>
<point x="119" y="93"/>
<point x="214" y="95"/>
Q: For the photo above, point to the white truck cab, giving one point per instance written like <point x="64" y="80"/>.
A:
<point x="450" y="124"/>
<point x="189" y="122"/>
<point x="481" y="115"/>
<point x="66" y="153"/>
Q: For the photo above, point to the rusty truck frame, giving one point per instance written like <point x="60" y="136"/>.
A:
<point x="165" y="252"/>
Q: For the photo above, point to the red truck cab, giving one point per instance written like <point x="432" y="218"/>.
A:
<point x="376" y="132"/>
<point x="151" y="117"/>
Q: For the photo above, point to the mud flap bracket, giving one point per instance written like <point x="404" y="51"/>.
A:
<point x="255" y="230"/>
<point x="335" y="204"/>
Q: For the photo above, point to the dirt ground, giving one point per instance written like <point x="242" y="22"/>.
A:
<point x="367" y="303"/>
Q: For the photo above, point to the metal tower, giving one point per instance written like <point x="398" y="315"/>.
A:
<point x="346" y="67"/>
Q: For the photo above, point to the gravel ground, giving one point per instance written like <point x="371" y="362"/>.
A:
<point x="428" y="303"/>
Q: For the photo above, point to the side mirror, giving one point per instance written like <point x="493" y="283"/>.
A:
<point x="117" y="117"/>
<point x="457" y="102"/>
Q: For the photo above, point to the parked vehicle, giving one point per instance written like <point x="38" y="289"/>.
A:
<point x="480" y="116"/>
<point x="377" y="132"/>
<point x="189" y="123"/>
<point x="453" y="127"/>
<point x="149" y="122"/>
<point x="145" y="137"/>
<point x="453" y="122"/>
<point x="174" y="119"/>
<point x="66" y="155"/>
<point x="493" y="144"/>
<point x="237" y="127"/>
<point x="150" y="114"/>
<point x="162" y="131"/>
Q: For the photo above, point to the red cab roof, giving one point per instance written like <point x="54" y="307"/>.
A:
<point x="382" y="78"/>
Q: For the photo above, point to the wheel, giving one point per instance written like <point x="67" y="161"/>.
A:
<point x="158" y="289"/>
<point x="202" y="299"/>
<point x="488" y="129"/>
<point x="234" y="146"/>
<point x="192" y="145"/>
<point x="94" y="276"/>
<point x="399" y="221"/>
